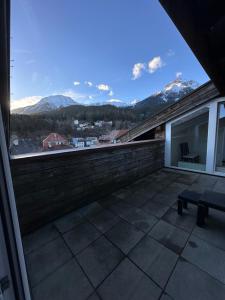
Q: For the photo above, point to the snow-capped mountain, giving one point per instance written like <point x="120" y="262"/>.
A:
<point x="179" y="88"/>
<point x="171" y="93"/>
<point x="46" y="104"/>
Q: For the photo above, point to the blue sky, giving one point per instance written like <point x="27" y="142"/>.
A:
<point x="95" y="50"/>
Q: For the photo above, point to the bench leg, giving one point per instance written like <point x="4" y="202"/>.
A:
<point x="201" y="215"/>
<point x="179" y="207"/>
<point x="206" y="211"/>
<point x="185" y="205"/>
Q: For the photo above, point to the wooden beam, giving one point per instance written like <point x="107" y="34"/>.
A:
<point x="201" y="23"/>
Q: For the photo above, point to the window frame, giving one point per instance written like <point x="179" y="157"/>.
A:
<point x="211" y="140"/>
<point x="5" y="65"/>
<point x="9" y="218"/>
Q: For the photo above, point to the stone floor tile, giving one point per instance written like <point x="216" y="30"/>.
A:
<point x="189" y="282"/>
<point x="68" y="282"/>
<point x="99" y="259"/>
<point x="206" y="181"/>
<point x="197" y="188"/>
<point x="180" y="187"/>
<point x="68" y="221"/>
<point x="46" y="259"/>
<point x="170" y="236"/>
<point x="207" y="257"/>
<point x="81" y="236"/>
<point x="124" y="236"/>
<point x="94" y="297"/>
<point x="213" y="231"/>
<point x="165" y="198"/>
<point x="138" y="198"/>
<point x="156" y="209"/>
<point x="187" y="178"/>
<point x="141" y="219"/>
<point x="39" y="238"/>
<point x="90" y="210"/>
<point x="186" y="221"/>
<point x="154" y="259"/>
<point x="121" y="208"/>
<point x="165" y="297"/>
<point x="109" y="200"/>
<point x="127" y="282"/>
<point x="104" y="220"/>
<point x="220" y="186"/>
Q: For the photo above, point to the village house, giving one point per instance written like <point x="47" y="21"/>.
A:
<point x="91" y="141"/>
<point x="54" y="141"/>
<point x="78" y="142"/>
<point x="112" y="137"/>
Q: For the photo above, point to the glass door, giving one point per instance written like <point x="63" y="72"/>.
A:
<point x="196" y="141"/>
<point x="220" y="140"/>
<point x="189" y="137"/>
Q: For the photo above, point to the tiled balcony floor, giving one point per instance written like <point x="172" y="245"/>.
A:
<point x="132" y="245"/>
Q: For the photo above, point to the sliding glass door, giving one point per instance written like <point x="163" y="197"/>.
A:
<point x="220" y="141"/>
<point x="189" y="141"/>
<point x="196" y="140"/>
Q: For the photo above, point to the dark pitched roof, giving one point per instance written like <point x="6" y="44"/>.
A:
<point x="202" y="25"/>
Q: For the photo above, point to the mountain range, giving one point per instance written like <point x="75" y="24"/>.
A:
<point x="46" y="104"/>
<point x="172" y="92"/>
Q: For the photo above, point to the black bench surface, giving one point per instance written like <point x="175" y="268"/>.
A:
<point x="190" y="196"/>
<point x="214" y="200"/>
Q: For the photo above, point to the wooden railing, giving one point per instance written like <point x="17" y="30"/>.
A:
<point x="49" y="185"/>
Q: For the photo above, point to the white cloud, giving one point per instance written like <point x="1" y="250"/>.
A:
<point x="137" y="70"/>
<point x="170" y="52"/>
<point x="111" y="93"/>
<point x="155" y="63"/>
<point x="89" y="83"/>
<point x="178" y="75"/>
<point x="24" y="101"/>
<point x="103" y="87"/>
<point x="76" y="83"/>
<point x="34" y="99"/>
<point x="72" y="94"/>
<point x="114" y="101"/>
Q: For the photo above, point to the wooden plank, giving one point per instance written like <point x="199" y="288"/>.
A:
<point x="63" y="184"/>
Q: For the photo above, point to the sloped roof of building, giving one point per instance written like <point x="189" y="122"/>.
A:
<point x="201" y="95"/>
<point x="114" y="134"/>
<point x="55" y="137"/>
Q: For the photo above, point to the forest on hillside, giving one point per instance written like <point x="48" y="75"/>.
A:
<point x="62" y="120"/>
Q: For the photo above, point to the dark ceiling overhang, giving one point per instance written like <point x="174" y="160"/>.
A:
<point x="202" y="25"/>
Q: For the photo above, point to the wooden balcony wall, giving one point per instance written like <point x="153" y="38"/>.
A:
<point x="50" y="185"/>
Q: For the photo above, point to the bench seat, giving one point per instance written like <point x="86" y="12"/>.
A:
<point x="204" y="201"/>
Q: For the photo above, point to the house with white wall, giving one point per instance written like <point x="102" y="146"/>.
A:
<point x="194" y="131"/>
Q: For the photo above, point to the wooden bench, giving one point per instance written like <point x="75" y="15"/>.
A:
<point x="187" y="197"/>
<point x="208" y="200"/>
<point x="204" y="201"/>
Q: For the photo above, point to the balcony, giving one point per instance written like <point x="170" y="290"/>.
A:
<point x="121" y="237"/>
